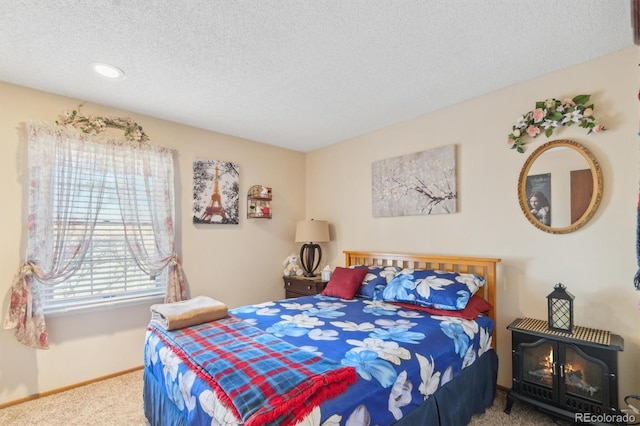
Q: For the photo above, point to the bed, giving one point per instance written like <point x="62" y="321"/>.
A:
<point x="371" y="359"/>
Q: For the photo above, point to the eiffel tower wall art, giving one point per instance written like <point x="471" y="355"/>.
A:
<point x="216" y="192"/>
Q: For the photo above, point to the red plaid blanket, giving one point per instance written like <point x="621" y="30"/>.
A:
<point x="261" y="378"/>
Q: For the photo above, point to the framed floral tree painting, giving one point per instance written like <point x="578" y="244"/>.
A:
<point x="422" y="183"/>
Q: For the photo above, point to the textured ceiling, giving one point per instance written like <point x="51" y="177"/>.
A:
<point x="298" y="74"/>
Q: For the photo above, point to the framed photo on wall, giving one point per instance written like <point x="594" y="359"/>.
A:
<point x="539" y="197"/>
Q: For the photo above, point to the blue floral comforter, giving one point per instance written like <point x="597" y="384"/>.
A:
<point x="401" y="356"/>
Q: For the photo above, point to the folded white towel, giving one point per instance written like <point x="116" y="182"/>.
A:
<point x="196" y="310"/>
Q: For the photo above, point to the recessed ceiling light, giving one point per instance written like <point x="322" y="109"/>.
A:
<point x="108" y="71"/>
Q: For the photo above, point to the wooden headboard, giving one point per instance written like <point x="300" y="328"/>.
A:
<point x="483" y="266"/>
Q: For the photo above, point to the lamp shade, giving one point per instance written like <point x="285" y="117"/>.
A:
<point x="316" y="231"/>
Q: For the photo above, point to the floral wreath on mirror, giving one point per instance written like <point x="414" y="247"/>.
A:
<point x="550" y="114"/>
<point x="96" y="124"/>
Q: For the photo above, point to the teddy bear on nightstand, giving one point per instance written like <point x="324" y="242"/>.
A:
<point x="292" y="268"/>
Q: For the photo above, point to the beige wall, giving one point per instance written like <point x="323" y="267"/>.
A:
<point x="241" y="264"/>
<point x="597" y="263"/>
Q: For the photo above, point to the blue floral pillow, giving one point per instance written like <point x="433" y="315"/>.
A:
<point x="437" y="289"/>
<point x="376" y="279"/>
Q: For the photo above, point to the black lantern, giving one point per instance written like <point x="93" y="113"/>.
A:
<point x="560" y="309"/>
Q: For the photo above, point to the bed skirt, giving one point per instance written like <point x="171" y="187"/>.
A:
<point x="158" y="409"/>
<point x="471" y="392"/>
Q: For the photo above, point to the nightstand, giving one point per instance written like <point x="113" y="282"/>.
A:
<point x="303" y="286"/>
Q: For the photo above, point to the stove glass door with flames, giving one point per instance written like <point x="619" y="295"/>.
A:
<point x="584" y="376"/>
<point x="538" y="365"/>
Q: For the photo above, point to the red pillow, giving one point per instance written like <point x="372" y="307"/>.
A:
<point x="476" y="306"/>
<point x="344" y="282"/>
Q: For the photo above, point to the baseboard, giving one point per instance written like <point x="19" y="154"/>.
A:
<point x="66" y="388"/>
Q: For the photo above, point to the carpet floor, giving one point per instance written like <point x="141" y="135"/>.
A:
<point x="118" y="402"/>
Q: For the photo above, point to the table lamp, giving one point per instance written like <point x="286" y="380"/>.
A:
<point x="311" y="232"/>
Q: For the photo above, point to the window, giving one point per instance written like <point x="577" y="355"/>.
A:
<point x="107" y="272"/>
<point x="102" y="210"/>
<point x="100" y="225"/>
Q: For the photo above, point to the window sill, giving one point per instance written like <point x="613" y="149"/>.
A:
<point x="102" y="306"/>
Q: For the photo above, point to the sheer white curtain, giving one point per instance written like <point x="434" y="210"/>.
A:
<point x="54" y="153"/>
<point x="146" y="173"/>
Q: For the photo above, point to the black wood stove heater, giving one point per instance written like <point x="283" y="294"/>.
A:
<point x="564" y="374"/>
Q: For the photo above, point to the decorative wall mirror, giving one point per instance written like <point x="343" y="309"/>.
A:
<point x="560" y="187"/>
